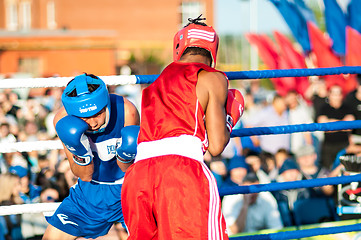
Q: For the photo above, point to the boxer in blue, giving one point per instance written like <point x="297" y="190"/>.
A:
<point x="99" y="132"/>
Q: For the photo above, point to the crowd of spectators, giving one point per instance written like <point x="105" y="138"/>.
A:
<point x="45" y="176"/>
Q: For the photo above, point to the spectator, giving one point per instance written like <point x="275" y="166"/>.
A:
<point x="354" y="148"/>
<point x="260" y="94"/>
<point x="273" y="115"/>
<point x="281" y="156"/>
<point x="298" y="113"/>
<point x="334" y="110"/>
<point x="218" y="164"/>
<point x="254" y="161"/>
<point x="353" y="100"/>
<point x="306" y="158"/>
<point x="33" y="225"/>
<point x="9" y="105"/>
<point x="317" y="94"/>
<point x="5" y="134"/>
<point x="286" y="198"/>
<point x="29" y="192"/>
<point x="237" y="170"/>
<point x="12" y="159"/>
<point x="50" y="178"/>
<point x="52" y="98"/>
<point x="251" y="212"/>
<point x="9" y="195"/>
<point x="269" y="165"/>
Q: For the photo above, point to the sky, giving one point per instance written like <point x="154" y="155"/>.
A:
<point x="233" y="17"/>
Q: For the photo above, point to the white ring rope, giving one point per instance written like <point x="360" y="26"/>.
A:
<point x="28" y="208"/>
<point x="61" y="81"/>
<point x="30" y="146"/>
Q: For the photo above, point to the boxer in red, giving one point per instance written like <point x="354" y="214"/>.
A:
<point x="169" y="193"/>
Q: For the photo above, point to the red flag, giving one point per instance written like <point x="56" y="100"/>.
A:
<point x="321" y="47"/>
<point x="285" y="84"/>
<point x="353" y="47"/>
<point x="268" y="52"/>
<point x="266" y="49"/>
<point x="294" y="59"/>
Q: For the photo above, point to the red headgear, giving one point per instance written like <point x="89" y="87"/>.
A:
<point x="196" y="35"/>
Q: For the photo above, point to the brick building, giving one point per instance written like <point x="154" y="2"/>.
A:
<point x="67" y="37"/>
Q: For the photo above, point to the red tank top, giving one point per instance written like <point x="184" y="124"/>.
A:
<point x="170" y="107"/>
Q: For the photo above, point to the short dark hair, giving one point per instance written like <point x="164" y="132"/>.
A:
<point x="251" y="177"/>
<point x="91" y="87"/>
<point x="197" y="51"/>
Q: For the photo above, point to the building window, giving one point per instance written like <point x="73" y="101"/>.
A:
<point x="31" y="66"/>
<point x="25" y="15"/>
<point x="190" y="10"/>
<point x="50" y="15"/>
<point x="11" y="16"/>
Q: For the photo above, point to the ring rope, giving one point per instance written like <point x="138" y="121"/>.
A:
<point x="277" y="186"/>
<point x="302" y="233"/>
<point x="331" y="126"/>
<point x="30" y="146"/>
<point x="28" y="208"/>
<point x="296" y="72"/>
<point x="147" y="79"/>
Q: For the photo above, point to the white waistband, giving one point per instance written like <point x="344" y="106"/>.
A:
<point x="119" y="181"/>
<point x="185" y="145"/>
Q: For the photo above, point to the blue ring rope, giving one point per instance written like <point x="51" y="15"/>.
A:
<point x="331" y="126"/>
<point x="258" y="74"/>
<point x="301" y="233"/>
<point x="278" y="186"/>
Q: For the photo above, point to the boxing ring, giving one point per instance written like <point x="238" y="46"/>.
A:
<point x="147" y="79"/>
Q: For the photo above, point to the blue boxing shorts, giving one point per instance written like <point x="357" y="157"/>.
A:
<point x="90" y="210"/>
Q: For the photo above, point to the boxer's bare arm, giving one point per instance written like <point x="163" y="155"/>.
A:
<point x="212" y="90"/>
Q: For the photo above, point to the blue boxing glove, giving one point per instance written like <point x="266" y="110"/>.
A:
<point x="71" y="130"/>
<point x="127" y="147"/>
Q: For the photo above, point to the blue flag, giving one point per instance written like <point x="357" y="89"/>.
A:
<point x="336" y="23"/>
<point x="354" y="14"/>
<point x="305" y="11"/>
<point x="295" y="20"/>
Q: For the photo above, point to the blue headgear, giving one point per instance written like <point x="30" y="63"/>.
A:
<point x="85" y="103"/>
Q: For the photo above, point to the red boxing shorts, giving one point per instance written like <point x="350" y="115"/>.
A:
<point x="172" y="197"/>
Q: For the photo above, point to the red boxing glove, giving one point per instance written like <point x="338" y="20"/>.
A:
<point x="234" y="108"/>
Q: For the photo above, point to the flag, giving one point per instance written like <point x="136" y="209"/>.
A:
<point x="353" y="47"/>
<point x="295" y="20"/>
<point x="354" y="16"/>
<point x="285" y="84"/>
<point x="321" y="47"/>
<point x="306" y="12"/>
<point x="287" y="49"/>
<point x="266" y="49"/>
<point x="336" y="23"/>
<point x="294" y="59"/>
<point x="268" y="53"/>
